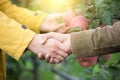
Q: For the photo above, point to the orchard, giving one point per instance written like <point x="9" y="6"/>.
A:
<point x="90" y="15"/>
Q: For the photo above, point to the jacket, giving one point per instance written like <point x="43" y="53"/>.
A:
<point x="97" y="41"/>
<point x="17" y="28"/>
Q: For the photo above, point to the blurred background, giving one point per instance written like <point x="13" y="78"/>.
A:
<point x="98" y="12"/>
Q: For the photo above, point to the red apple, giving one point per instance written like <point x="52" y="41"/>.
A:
<point x="79" y="21"/>
<point x="87" y="62"/>
<point x="107" y="57"/>
<point x="102" y="25"/>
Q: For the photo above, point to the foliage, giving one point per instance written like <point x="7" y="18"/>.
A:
<point x="30" y="68"/>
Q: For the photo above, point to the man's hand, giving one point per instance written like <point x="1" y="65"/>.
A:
<point x="64" y="38"/>
<point x="57" y="22"/>
<point x="59" y="54"/>
<point x="51" y="50"/>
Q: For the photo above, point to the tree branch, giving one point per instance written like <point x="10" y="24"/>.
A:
<point x="64" y="75"/>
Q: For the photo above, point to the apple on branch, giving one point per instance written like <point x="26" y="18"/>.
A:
<point x="87" y="62"/>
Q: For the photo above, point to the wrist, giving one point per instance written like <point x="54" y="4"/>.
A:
<point x="69" y="41"/>
<point x="34" y="42"/>
<point x="31" y="44"/>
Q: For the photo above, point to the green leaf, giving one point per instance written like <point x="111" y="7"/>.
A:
<point x="114" y="72"/>
<point x="103" y="5"/>
<point x="106" y="18"/>
<point x="94" y="24"/>
<point x="98" y="3"/>
<point x="118" y="76"/>
<point x="102" y="75"/>
<point x="29" y="65"/>
<point x="114" y="58"/>
<point x="96" y="69"/>
<point x="76" y="29"/>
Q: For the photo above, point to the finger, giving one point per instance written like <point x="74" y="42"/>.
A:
<point x="41" y="56"/>
<point x="65" y="47"/>
<point x="54" y="61"/>
<point x="51" y="61"/>
<point x="66" y="30"/>
<point x="63" y="29"/>
<point x="58" y="57"/>
<point x="62" y="53"/>
<point x="44" y="39"/>
<point x="59" y="26"/>
<point x="57" y="36"/>
<point x="47" y="58"/>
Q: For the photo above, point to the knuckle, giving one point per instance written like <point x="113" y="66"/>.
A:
<point x="47" y="57"/>
<point x="66" y="55"/>
<point x="50" y="55"/>
<point x="68" y="50"/>
<point x="53" y="50"/>
<point x="61" y="59"/>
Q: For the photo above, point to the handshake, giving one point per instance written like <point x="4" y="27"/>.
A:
<point x="52" y="47"/>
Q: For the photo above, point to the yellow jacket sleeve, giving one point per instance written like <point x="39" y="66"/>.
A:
<point x="14" y="37"/>
<point x="22" y="15"/>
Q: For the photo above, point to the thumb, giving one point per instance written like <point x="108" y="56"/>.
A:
<point x="44" y="39"/>
<point x="57" y="27"/>
<point x="63" y="29"/>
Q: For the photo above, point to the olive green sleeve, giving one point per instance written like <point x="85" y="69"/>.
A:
<point x="97" y="41"/>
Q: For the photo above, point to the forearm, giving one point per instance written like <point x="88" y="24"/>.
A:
<point x="24" y="16"/>
<point x="96" y="41"/>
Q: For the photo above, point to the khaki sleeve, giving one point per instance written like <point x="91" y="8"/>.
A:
<point x="14" y="37"/>
<point x="24" y="16"/>
<point x="97" y="41"/>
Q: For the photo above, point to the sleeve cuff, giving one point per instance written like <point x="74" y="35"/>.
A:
<point x="39" y="20"/>
<point x="81" y="43"/>
<point x="22" y="47"/>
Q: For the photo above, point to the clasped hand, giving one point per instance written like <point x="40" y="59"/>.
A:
<point x="53" y="47"/>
